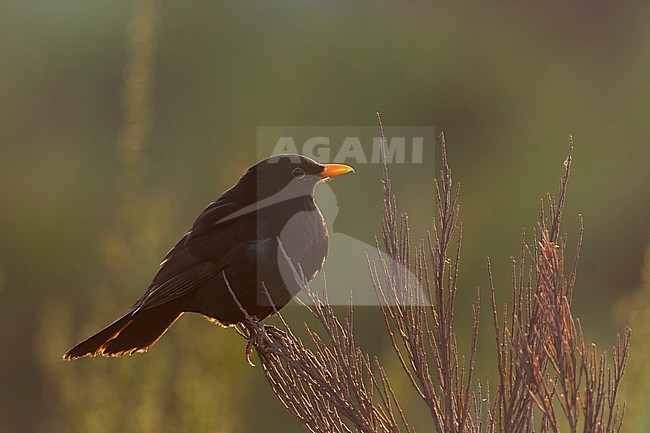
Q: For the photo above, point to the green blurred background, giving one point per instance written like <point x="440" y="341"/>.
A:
<point x="120" y="120"/>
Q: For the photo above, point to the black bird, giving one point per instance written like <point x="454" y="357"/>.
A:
<point x="242" y="252"/>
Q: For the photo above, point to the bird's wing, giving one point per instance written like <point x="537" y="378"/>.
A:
<point x="200" y="255"/>
<point x="169" y="284"/>
<point x="217" y="214"/>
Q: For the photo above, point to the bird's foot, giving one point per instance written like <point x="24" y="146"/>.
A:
<point x="252" y="326"/>
<point x="249" y="350"/>
<point x="275" y="332"/>
<point x="259" y="335"/>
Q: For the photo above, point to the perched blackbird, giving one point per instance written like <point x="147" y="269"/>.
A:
<point x="243" y="252"/>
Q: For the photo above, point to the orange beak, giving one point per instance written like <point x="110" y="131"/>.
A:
<point x="332" y="170"/>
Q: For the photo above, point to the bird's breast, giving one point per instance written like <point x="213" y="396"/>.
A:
<point x="305" y="240"/>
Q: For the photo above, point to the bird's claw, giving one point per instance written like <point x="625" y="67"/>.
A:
<point x="249" y="350"/>
<point x="257" y="335"/>
<point x="251" y="326"/>
<point x="275" y="332"/>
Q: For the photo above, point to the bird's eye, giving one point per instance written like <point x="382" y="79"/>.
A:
<point x="298" y="173"/>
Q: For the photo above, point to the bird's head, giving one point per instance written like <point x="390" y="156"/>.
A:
<point x="288" y="175"/>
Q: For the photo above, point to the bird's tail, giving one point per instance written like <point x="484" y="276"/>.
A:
<point x="133" y="332"/>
